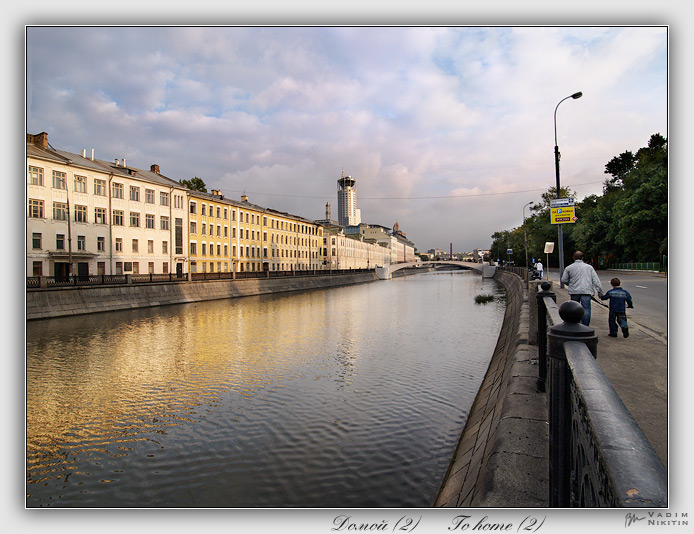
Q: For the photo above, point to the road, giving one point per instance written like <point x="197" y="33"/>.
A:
<point x="648" y="291"/>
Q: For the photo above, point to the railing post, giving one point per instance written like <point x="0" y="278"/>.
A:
<point x="560" y="408"/>
<point x="542" y="333"/>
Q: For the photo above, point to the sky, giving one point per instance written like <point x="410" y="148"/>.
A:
<point x="448" y="130"/>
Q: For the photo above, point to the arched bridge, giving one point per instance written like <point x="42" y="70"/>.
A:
<point x="384" y="273"/>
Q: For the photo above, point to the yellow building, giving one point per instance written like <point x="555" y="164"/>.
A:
<point x="208" y="232"/>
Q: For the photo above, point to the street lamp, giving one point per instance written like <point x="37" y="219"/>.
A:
<point x="556" y="167"/>
<point x="525" y="239"/>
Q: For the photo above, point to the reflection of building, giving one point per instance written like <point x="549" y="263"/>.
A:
<point x="348" y="214"/>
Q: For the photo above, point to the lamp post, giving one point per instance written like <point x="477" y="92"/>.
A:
<point x="525" y="240"/>
<point x="556" y="168"/>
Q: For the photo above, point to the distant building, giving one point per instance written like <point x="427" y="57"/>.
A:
<point x="347" y="212"/>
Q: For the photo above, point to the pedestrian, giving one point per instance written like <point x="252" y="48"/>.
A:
<point x="620" y="300"/>
<point x="583" y="282"/>
<point x="539" y="268"/>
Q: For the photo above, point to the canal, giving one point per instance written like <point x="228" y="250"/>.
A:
<point x="349" y="397"/>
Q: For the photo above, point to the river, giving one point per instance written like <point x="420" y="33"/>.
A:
<point x="345" y="398"/>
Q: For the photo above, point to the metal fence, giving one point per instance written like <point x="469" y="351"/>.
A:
<point x="643" y="266"/>
<point x="598" y="455"/>
<point x="38" y="282"/>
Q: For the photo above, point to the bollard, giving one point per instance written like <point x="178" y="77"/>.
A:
<point x="542" y="333"/>
<point x="571" y="313"/>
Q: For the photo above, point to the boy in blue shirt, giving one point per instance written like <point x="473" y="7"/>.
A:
<point x="620" y="299"/>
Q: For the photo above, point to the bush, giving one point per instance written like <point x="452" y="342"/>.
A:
<point x="483" y="299"/>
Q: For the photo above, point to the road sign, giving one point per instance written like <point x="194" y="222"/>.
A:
<point x="561" y="202"/>
<point x="563" y="215"/>
<point x="549" y="247"/>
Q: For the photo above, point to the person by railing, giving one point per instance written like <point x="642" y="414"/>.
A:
<point x="599" y="457"/>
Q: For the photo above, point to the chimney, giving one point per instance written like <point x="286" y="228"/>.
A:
<point x="84" y="152"/>
<point x="92" y="154"/>
<point x="154" y="168"/>
<point x="327" y="211"/>
<point x="40" y="140"/>
<point x="244" y="198"/>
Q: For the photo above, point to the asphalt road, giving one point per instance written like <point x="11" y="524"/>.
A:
<point x="649" y="292"/>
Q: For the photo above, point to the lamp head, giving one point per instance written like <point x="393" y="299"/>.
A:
<point x="577" y="95"/>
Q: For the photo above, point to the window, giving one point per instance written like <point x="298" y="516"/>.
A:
<point x="164" y="222"/>
<point x="35" y="175"/>
<point x="226" y="213"/>
<point x="149" y="221"/>
<point x="38" y="268"/>
<point x="117" y="190"/>
<point x="100" y="215"/>
<point x="150" y="267"/>
<point x="149" y="196"/>
<point x="59" y="181"/>
<point x="233" y="215"/>
<point x="202" y="209"/>
<point x="60" y="241"/>
<point x="204" y="249"/>
<point x="165" y="267"/>
<point x="219" y="230"/>
<point x="80" y="184"/>
<point x="119" y="244"/>
<point x="164" y="198"/>
<point x="150" y="246"/>
<point x="36" y="241"/>
<point x="134" y="219"/>
<point x="136" y="267"/>
<point x="35" y="208"/>
<point x="219" y="211"/>
<point x="101" y="267"/>
<point x="100" y="187"/>
<point x="193" y="227"/>
<point x="81" y="214"/>
<point x="119" y="267"/>
<point x="101" y="244"/>
<point x="59" y="211"/>
<point x="136" y="245"/>
<point x="117" y="218"/>
<point x="178" y="201"/>
<point x="81" y="242"/>
<point x="178" y="234"/>
<point x="164" y="247"/>
<point x="226" y="231"/>
<point x="219" y="250"/>
<point x="204" y="229"/>
<point x="134" y="193"/>
<point x="193" y="249"/>
<point x="193" y="207"/>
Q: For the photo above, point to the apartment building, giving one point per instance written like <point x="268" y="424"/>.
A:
<point x="89" y="216"/>
<point x="352" y="251"/>
<point x="209" y="236"/>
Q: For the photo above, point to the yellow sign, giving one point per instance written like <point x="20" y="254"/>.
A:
<point x="564" y="215"/>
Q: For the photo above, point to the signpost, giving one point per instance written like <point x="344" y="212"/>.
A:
<point x="563" y="211"/>
<point x="549" y="248"/>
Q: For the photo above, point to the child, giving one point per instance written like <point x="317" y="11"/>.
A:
<point x="620" y="299"/>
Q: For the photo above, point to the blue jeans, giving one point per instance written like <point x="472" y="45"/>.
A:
<point x="584" y="300"/>
<point x="616" y="318"/>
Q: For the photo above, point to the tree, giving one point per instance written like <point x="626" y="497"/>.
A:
<point x="194" y="184"/>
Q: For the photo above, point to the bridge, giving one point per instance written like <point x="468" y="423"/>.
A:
<point x="385" y="273"/>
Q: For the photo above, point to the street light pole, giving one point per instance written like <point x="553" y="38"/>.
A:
<point x="525" y="239"/>
<point x="557" y="156"/>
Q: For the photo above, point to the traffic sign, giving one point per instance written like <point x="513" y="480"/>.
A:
<point x="563" y="215"/>
<point x="561" y="202"/>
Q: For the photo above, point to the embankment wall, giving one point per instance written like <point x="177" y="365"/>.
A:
<point x="60" y="302"/>
<point x="467" y="481"/>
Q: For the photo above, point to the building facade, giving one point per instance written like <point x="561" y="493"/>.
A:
<point x="348" y="214"/>
<point x="88" y="216"/>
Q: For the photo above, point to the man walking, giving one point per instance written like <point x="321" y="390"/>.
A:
<point x="583" y="282"/>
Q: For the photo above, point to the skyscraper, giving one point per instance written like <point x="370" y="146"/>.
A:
<point x="347" y="212"/>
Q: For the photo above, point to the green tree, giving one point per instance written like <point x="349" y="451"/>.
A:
<point x="194" y="184"/>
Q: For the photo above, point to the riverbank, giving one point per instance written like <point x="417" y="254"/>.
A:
<point x="502" y="456"/>
<point x="62" y="302"/>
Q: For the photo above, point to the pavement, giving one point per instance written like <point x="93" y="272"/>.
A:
<point x="516" y="463"/>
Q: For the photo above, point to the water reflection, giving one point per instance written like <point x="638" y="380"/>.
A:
<point x="348" y="397"/>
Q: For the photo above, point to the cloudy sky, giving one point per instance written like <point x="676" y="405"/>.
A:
<point x="447" y="130"/>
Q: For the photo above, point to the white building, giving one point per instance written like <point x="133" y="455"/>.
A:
<point x="352" y="251"/>
<point x="348" y="214"/>
<point x="88" y="216"/>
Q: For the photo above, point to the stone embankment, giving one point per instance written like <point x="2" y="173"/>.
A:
<point x="60" y="302"/>
<point x="501" y="458"/>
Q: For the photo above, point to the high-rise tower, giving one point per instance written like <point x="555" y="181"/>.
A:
<point x="347" y="212"/>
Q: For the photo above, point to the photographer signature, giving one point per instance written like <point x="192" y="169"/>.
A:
<point x="630" y="519"/>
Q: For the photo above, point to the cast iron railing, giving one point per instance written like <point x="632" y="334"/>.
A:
<point x="598" y="455"/>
